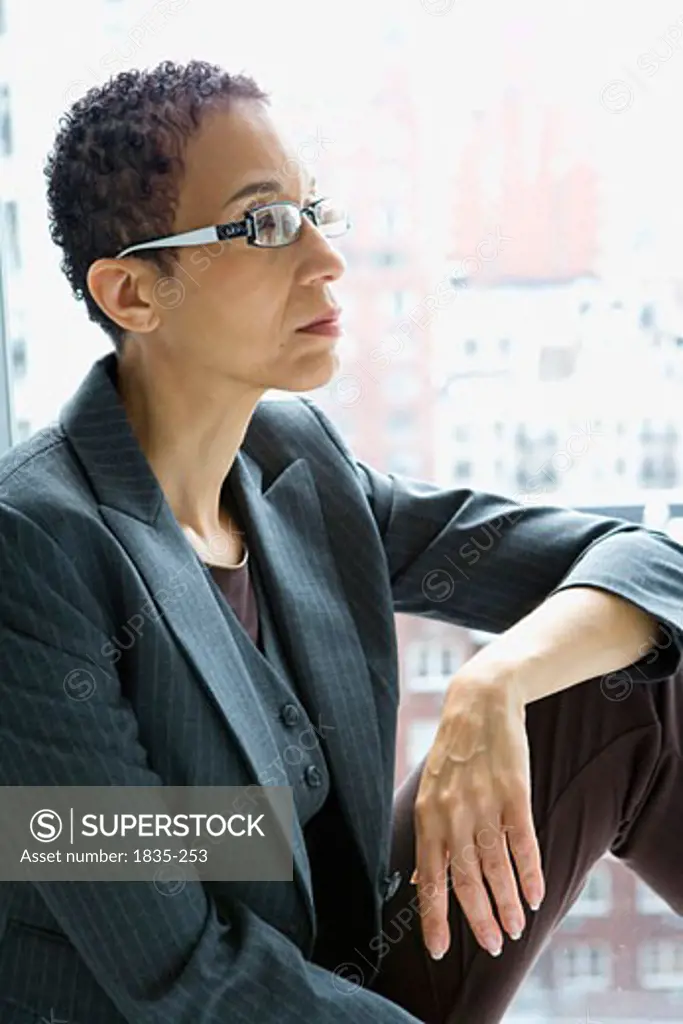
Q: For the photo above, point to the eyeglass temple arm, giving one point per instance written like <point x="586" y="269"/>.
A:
<point x="201" y="236"/>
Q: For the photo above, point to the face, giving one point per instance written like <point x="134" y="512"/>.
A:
<point x="230" y="308"/>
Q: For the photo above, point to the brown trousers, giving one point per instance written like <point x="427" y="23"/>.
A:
<point x="607" y="775"/>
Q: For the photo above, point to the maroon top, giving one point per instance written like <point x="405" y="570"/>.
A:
<point x="238" y="590"/>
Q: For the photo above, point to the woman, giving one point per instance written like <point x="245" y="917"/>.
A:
<point x="194" y="580"/>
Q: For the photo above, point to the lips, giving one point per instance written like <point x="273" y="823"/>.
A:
<point x="320" y="323"/>
<point x="328" y="320"/>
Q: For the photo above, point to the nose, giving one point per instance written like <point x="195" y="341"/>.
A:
<point x="320" y="259"/>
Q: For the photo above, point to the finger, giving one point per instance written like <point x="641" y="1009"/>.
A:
<point x="496" y="868"/>
<point x="526" y="853"/>
<point x="470" y="891"/>
<point x="432" y="890"/>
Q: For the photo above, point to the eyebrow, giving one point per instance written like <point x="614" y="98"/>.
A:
<point x="269" y="185"/>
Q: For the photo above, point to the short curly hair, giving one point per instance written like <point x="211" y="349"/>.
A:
<point x="114" y="172"/>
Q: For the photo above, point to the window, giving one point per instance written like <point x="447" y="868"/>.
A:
<point x="430" y="664"/>
<point x="447" y="665"/>
<point x="3" y="17"/>
<point x="386" y="258"/>
<point x="9" y="234"/>
<point x="660" y="964"/>
<point x="23" y="430"/>
<point x="388" y="221"/>
<point x="662" y="472"/>
<point x="421" y="655"/>
<point x="649" y="902"/>
<point x="421" y="733"/>
<point x="462" y="470"/>
<point x="596" y="898"/>
<point x="401" y="425"/>
<point x="19" y="358"/>
<point x="403" y="463"/>
<point x="5" y="121"/>
<point x="401" y="302"/>
<point x="585" y="966"/>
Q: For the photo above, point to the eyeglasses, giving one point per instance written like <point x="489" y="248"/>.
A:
<point x="271" y="226"/>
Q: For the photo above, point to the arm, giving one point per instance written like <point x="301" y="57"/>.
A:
<point x="484" y="562"/>
<point x="158" y="959"/>
<point x="574" y="635"/>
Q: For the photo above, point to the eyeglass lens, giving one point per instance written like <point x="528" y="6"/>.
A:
<point x="280" y="224"/>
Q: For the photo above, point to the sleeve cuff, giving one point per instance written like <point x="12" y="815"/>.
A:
<point x="663" y="658"/>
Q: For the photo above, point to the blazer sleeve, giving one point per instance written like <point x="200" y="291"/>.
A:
<point x="158" y="959"/>
<point x="484" y="561"/>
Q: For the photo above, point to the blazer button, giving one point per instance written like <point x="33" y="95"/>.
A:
<point x="312" y="776"/>
<point x="289" y="713"/>
<point x="392" y="883"/>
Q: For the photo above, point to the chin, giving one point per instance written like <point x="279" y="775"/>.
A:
<point x="310" y="376"/>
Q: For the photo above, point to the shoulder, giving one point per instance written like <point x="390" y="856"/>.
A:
<point x="43" y="491"/>
<point x="44" y="461"/>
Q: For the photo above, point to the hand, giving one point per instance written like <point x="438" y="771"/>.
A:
<point x="473" y="811"/>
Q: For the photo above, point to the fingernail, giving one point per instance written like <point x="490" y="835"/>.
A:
<point x="494" y="945"/>
<point x="437" y="954"/>
<point x="516" y="929"/>
<point x="413" y="878"/>
<point x="536" y="895"/>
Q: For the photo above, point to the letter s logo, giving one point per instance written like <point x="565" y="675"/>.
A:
<point x="46" y="826"/>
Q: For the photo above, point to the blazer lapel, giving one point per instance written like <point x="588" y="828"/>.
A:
<point x="183" y="592"/>
<point x="286" y="531"/>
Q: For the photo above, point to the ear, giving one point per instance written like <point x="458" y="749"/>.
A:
<point x="125" y="291"/>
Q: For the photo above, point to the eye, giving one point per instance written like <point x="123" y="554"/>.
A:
<point x="255" y="204"/>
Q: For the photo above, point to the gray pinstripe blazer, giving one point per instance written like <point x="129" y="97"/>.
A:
<point x="87" y="541"/>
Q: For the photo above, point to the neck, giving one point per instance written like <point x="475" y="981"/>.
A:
<point x="190" y="424"/>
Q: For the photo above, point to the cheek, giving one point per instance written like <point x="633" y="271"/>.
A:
<point x="252" y="294"/>
<point x="241" y="294"/>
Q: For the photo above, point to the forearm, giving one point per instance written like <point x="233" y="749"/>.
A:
<point x="574" y="635"/>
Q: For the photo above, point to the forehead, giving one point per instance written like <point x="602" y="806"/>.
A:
<point x="233" y="148"/>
